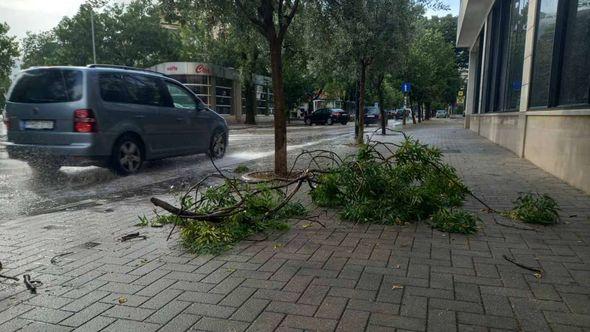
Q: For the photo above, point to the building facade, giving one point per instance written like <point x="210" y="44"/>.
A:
<point x="529" y="80"/>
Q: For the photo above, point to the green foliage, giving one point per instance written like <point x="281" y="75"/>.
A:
<point x="241" y="169"/>
<point x="535" y="209"/>
<point x="8" y="54"/>
<point x="126" y="34"/>
<point x="411" y="185"/>
<point x="455" y="221"/>
<point x="259" y="214"/>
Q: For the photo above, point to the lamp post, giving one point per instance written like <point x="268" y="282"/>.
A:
<point x="93" y="41"/>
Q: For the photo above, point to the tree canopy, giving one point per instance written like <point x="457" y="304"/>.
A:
<point x="8" y="54"/>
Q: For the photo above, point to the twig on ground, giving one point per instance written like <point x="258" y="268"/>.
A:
<point x="511" y="260"/>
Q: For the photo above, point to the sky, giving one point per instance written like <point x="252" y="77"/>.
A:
<point x="42" y="15"/>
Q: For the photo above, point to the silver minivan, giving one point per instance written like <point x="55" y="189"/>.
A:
<point x="107" y="116"/>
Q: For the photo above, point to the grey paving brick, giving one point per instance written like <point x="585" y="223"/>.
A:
<point x="567" y="319"/>
<point x="227" y="285"/>
<point x="398" y="322"/>
<point x="352" y="293"/>
<point x="124" y="299"/>
<point x="131" y="313"/>
<point x="314" y="294"/>
<point x="455" y="305"/>
<point x="331" y="307"/>
<point x="86" y="300"/>
<point x="309" y="323"/>
<point x="156" y="287"/>
<point x="267" y="321"/>
<point x="45" y="327"/>
<point x="167" y="312"/>
<point x="487" y="321"/>
<point x="497" y="305"/>
<point x="441" y="320"/>
<point x="276" y="295"/>
<point x="414" y="306"/>
<point x="130" y="325"/>
<point x="181" y="322"/>
<point x="292" y="308"/>
<point x="528" y="315"/>
<point x="95" y="324"/>
<point x="221" y="325"/>
<point x="85" y="315"/>
<point x="250" y="310"/>
<point x="48" y="301"/>
<point x="238" y="296"/>
<point x="162" y="298"/>
<point x="210" y="310"/>
<point x="14" y="325"/>
<point x="353" y="320"/>
<point x="46" y="315"/>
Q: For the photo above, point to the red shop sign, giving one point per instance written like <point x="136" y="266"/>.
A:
<point x="172" y="68"/>
<point x="201" y="69"/>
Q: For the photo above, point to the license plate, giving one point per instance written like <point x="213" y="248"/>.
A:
<point x="39" y="125"/>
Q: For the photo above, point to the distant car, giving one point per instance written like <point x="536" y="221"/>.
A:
<point x="107" y="116"/>
<point x="442" y="114"/>
<point x="399" y="114"/>
<point x="327" y="116"/>
<point x="372" y="115"/>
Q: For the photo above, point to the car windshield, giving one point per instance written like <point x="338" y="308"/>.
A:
<point x="372" y="110"/>
<point x="48" y="85"/>
<point x="337" y="110"/>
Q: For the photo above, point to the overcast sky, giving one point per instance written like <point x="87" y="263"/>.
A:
<point x="42" y="15"/>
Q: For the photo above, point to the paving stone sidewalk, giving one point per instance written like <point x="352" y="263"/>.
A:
<point x="343" y="277"/>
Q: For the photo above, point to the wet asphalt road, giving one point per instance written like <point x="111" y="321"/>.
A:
<point x="23" y="193"/>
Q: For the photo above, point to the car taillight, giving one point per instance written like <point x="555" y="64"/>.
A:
<point x="84" y="121"/>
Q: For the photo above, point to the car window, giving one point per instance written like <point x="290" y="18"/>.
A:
<point x="144" y="90"/>
<point x="48" y="85"/>
<point x="112" y="88"/>
<point x="180" y="97"/>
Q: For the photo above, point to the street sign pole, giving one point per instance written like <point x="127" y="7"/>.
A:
<point x="406" y="89"/>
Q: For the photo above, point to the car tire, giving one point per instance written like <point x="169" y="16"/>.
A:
<point x="344" y="123"/>
<point x="218" y="144"/>
<point x="330" y="121"/>
<point x="308" y="121"/>
<point x="127" y="156"/>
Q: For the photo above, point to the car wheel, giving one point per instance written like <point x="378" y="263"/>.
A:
<point x="308" y="121"/>
<point x="330" y="121"/>
<point x="344" y="123"/>
<point x="218" y="144"/>
<point x="127" y="156"/>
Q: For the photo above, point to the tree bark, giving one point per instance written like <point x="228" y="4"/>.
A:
<point x="419" y="113"/>
<point x="361" y="120"/>
<point x="280" y="122"/>
<point x="381" y="106"/>
<point x="250" y="102"/>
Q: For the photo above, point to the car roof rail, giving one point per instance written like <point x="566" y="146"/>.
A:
<point x="125" y="68"/>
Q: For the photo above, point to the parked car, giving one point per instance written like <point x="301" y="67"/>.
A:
<point x="372" y="115"/>
<point x="442" y="114"/>
<point x="327" y="116"/>
<point x="108" y="116"/>
<point x="399" y="114"/>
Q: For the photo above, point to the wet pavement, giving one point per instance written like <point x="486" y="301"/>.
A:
<point x="24" y="193"/>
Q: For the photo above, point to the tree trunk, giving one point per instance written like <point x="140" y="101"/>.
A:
<point x="361" y="120"/>
<point x="280" y="121"/>
<point x="381" y="106"/>
<point x="419" y="113"/>
<point x="250" y="102"/>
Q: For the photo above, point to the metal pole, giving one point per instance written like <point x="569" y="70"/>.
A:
<point x="93" y="42"/>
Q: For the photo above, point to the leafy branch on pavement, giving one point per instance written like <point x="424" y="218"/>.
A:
<point x="535" y="208"/>
<point x="386" y="183"/>
<point x="391" y="183"/>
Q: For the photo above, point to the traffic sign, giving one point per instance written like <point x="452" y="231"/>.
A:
<point x="406" y="87"/>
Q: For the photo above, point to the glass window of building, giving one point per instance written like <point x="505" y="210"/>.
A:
<point x="543" y="55"/>
<point x="515" y="56"/>
<point x="575" y="71"/>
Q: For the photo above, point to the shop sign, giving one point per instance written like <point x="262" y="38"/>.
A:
<point x="172" y="68"/>
<point x="202" y="69"/>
